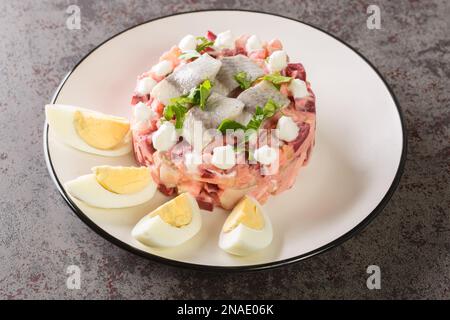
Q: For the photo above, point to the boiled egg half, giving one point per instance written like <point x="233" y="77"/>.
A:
<point x="247" y="229"/>
<point x="90" y="131"/>
<point x="171" y="224"/>
<point x="113" y="187"/>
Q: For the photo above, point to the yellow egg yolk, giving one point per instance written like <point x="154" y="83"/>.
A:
<point x="247" y="213"/>
<point x="101" y="132"/>
<point x="177" y="212"/>
<point x="122" y="180"/>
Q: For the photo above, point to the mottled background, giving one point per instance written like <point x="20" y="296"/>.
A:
<point x="40" y="236"/>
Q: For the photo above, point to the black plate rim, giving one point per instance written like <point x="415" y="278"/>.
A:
<point x="270" y="265"/>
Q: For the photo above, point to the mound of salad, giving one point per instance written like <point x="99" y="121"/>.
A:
<point x="221" y="117"/>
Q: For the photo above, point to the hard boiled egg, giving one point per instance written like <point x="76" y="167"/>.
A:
<point x="224" y="40"/>
<point x="162" y="68"/>
<point x="224" y="157"/>
<point x="247" y="229"/>
<point x="188" y="43"/>
<point x="90" y="131"/>
<point x="298" y="88"/>
<point x="253" y="43"/>
<point x="287" y="129"/>
<point x="165" y="137"/>
<point x="266" y="155"/>
<point x="145" y="86"/>
<point x="277" y="61"/>
<point x="113" y="187"/>
<point x="171" y="224"/>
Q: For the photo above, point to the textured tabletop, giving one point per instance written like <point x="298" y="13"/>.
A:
<point x="40" y="236"/>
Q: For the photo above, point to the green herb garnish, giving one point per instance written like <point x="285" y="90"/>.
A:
<point x="178" y="110"/>
<point x="243" y="80"/>
<point x="180" y="105"/>
<point x="183" y="100"/>
<point x="205" y="91"/>
<point x="277" y="79"/>
<point x="228" y="124"/>
<point x="205" y="43"/>
<point x="257" y="119"/>
<point x="200" y="94"/>
<point x="270" y="108"/>
<point x="168" y="112"/>
<point x="262" y="113"/>
<point x="255" y="122"/>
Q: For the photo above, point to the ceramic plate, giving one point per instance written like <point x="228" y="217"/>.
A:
<point x="354" y="169"/>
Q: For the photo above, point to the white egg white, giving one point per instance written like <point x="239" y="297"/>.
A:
<point x="155" y="232"/>
<point x="87" y="189"/>
<point x="61" y="120"/>
<point x="243" y="241"/>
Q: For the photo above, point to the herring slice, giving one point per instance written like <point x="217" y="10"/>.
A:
<point x="220" y="88"/>
<point x="217" y="109"/>
<point x="192" y="74"/>
<point x="185" y="78"/>
<point x="232" y="66"/>
<point x="259" y="94"/>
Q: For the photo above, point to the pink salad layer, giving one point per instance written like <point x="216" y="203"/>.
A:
<point x="210" y="185"/>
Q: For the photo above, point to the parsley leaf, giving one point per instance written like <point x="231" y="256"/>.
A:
<point x="183" y="100"/>
<point x="255" y="122"/>
<point x="205" y="91"/>
<point x="257" y="119"/>
<point x="168" y="112"/>
<point x="200" y="94"/>
<point x="270" y="108"/>
<point x="262" y="113"/>
<point x="205" y="43"/>
<point x="180" y="113"/>
<point x="178" y="110"/>
<point x="243" y="80"/>
<point x="180" y="105"/>
<point x="277" y="79"/>
<point x="228" y="124"/>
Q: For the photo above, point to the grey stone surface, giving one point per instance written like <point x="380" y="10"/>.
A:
<point x="40" y="236"/>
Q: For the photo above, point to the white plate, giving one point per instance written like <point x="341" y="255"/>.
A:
<point x="355" y="167"/>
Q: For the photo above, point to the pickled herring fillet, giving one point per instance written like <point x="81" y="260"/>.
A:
<point x="259" y="94"/>
<point x="185" y="78"/>
<point x="194" y="130"/>
<point x="244" y="118"/>
<point x="219" y="88"/>
<point x="232" y="66"/>
<point x="192" y="74"/>
<point x="217" y="109"/>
